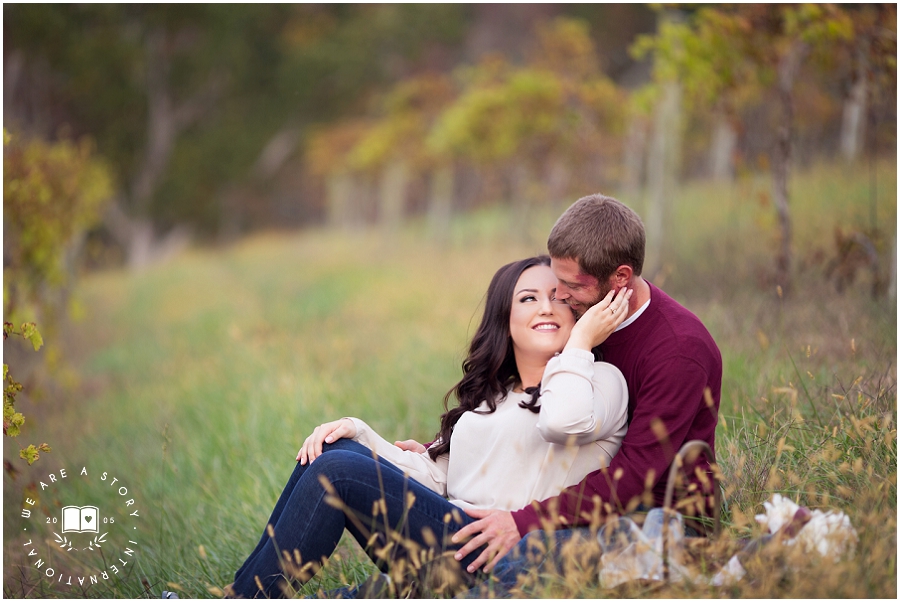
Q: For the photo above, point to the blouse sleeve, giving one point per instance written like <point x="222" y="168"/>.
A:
<point x="581" y="400"/>
<point x="419" y="466"/>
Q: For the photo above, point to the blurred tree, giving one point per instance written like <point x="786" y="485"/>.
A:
<point x="137" y="77"/>
<point x="661" y="102"/>
<point x="723" y="54"/>
<point x="395" y="144"/>
<point x="202" y="110"/>
<point x="589" y="159"/>
<point x="183" y="98"/>
<point x="51" y="194"/>
<point x="512" y="125"/>
<point x="538" y="122"/>
<point x="868" y="62"/>
<point x="326" y="156"/>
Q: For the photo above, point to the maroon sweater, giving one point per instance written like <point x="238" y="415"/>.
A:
<point x="668" y="359"/>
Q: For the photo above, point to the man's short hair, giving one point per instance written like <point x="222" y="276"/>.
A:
<point x="601" y="234"/>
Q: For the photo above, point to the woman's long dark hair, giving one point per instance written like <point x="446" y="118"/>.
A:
<point x="490" y="368"/>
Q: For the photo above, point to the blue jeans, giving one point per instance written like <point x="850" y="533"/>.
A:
<point x="391" y="516"/>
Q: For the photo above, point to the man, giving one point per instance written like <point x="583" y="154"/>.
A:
<point x="670" y="362"/>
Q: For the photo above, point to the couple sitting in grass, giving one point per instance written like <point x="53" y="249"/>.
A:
<point x="544" y="444"/>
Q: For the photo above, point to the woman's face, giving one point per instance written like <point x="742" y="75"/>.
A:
<point x="538" y="323"/>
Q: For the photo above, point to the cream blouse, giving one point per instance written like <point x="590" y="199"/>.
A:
<point x="508" y="458"/>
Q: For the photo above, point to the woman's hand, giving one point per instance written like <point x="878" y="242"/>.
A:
<point x="325" y="433"/>
<point x="411" y="445"/>
<point x="600" y="321"/>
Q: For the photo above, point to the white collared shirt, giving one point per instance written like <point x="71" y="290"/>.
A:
<point x="634" y="316"/>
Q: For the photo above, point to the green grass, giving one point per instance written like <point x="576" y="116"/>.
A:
<point x="200" y="378"/>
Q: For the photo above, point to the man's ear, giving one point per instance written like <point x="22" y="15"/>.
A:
<point x="622" y="276"/>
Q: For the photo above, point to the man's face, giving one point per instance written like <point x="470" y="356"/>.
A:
<point x="581" y="291"/>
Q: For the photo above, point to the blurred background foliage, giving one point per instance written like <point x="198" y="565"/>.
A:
<point x="52" y="194"/>
<point x="219" y="120"/>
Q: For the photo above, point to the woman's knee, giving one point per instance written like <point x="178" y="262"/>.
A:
<point x="339" y="463"/>
<point x="347" y="445"/>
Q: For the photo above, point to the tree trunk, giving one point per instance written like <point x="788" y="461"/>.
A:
<point x="892" y="279"/>
<point x="165" y="121"/>
<point x="523" y="187"/>
<point x="440" y="202"/>
<point x="635" y="146"/>
<point x="392" y="195"/>
<point x="853" y="125"/>
<point x="161" y="128"/>
<point x="557" y="185"/>
<point x="662" y="169"/>
<point x="230" y="215"/>
<point x="340" y="190"/>
<point x="138" y="239"/>
<point x="276" y="152"/>
<point x="721" y="150"/>
<point x="788" y="67"/>
<point x="13" y="67"/>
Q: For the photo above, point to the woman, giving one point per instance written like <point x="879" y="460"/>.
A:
<point x="530" y="421"/>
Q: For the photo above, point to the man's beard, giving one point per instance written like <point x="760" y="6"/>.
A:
<point x="604" y="290"/>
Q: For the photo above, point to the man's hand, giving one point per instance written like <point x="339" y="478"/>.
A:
<point x="496" y="528"/>
<point x="410" y="445"/>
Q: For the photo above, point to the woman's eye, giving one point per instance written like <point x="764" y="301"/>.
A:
<point x="527" y="298"/>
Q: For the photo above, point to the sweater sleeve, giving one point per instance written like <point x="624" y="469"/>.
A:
<point x="419" y="466"/>
<point x="581" y="400"/>
<point x="666" y="405"/>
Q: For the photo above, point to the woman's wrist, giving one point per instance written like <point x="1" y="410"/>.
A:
<point x="577" y="341"/>
<point x="354" y="428"/>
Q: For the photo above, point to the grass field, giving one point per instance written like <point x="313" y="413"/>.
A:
<point x="196" y="381"/>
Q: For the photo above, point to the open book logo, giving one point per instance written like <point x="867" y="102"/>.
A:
<point x="104" y="523"/>
<point x="80" y="519"/>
